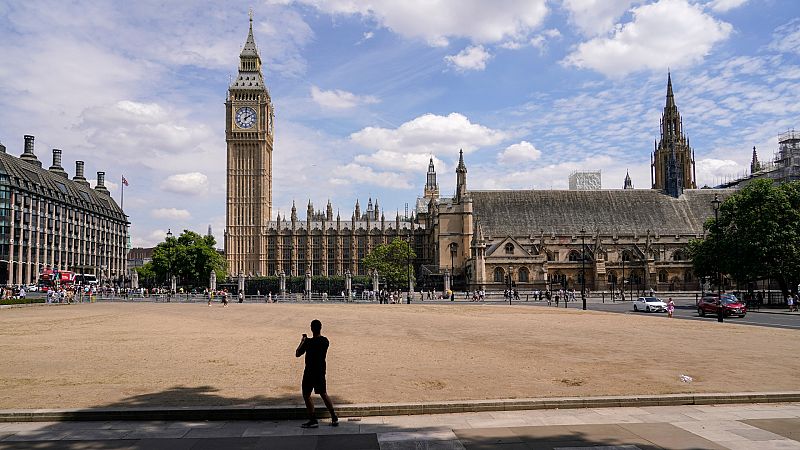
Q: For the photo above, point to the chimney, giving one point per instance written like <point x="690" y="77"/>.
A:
<point x="79" y="178"/>
<point x="56" y="167"/>
<point x="101" y="184"/>
<point x="28" y="155"/>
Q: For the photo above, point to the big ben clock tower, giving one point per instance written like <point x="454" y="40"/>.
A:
<point x="248" y="133"/>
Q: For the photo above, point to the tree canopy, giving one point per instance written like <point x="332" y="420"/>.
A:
<point x="393" y="262"/>
<point x="190" y="257"/>
<point x="757" y="236"/>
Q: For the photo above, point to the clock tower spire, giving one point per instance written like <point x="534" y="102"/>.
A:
<point x="249" y="137"/>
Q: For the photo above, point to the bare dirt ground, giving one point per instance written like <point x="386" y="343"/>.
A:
<point x="116" y="355"/>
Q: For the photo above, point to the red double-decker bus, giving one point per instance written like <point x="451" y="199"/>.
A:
<point x="53" y="279"/>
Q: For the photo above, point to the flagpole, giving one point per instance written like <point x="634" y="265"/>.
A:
<point x="122" y="195"/>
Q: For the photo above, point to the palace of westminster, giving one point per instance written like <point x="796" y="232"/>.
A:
<point x="540" y="238"/>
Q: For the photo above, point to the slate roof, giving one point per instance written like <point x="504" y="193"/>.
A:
<point x="564" y="212"/>
<point x="25" y="176"/>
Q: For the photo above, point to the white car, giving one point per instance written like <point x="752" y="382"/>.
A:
<point x="649" y="304"/>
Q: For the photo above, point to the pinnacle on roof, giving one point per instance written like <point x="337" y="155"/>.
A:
<point x="430" y="166"/>
<point x="250" y="48"/>
<point x="670" y="95"/>
<point x="461" y="166"/>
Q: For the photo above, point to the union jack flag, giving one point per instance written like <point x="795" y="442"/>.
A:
<point x="124" y="181"/>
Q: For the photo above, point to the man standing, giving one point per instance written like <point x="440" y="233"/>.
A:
<point x="315" y="349"/>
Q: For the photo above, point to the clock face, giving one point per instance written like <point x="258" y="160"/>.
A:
<point x="245" y="117"/>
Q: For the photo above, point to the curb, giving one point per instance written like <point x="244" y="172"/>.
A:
<point x="782" y="313"/>
<point x="286" y="412"/>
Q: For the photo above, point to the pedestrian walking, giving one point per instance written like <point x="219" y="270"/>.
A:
<point x="224" y="298"/>
<point x="241" y="296"/>
<point x="670" y="307"/>
<point x="790" y="302"/>
<point x="315" y="348"/>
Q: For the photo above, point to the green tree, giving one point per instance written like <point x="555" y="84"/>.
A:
<point x="757" y="236"/>
<point x="190" y="257"/>
<point x="147" y="275"/>
<point x="393" y="262"/>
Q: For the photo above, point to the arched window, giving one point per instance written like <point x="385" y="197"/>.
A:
<point x="499" y="275"/>
<point x="662" y="276"/>
<point x="523" y="275"/>
<point x="612" y="276"/>
<point x="509" y="249"/>
<point x="688" y="276"/>
<point x="626" y="256"/>
<point x="575" y="255"/>
<point x="678" y="256"/>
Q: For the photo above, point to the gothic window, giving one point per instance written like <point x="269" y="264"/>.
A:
<point x="499" y="275"/>
<point x="688" y="276"/>
<point x="575" y="255"/>
<point x="509" y="249"/>
<point x="662" y="276"/>
<point x="523" y="275"/>
<point x="626" y="256"/>
<point x="612" y="277"/>
<point x="678" y="256"/>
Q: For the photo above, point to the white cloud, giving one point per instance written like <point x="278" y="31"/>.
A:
<point x="471" y="58"/>
<point x="596" y="17"/>
<point x="522" y="152"/>
<point x="786" y="38"/>
<point x="170" y="213"/>
<point x="192" y="183"/>
<point x="430" y="134"/>
<point x="367" y="175"/>
<point x="669" y="33"/>
<point x="435" y="22"/>
<point x="712" y="171"/>
<point x="407" y="162"/>
<point x="150" y="239"/>
<point x="722" y="6"/>
<point x="339" y="99"/>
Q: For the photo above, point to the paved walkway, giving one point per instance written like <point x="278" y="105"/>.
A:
<point x="749" y="426"/>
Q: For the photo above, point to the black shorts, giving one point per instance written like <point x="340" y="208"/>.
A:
<point x="314" y="382"/>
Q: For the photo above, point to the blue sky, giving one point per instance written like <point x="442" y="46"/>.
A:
<point x="367" y="91"/>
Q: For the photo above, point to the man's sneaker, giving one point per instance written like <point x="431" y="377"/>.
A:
<point x="310" y="424"/>
<point x="334" y="421"/>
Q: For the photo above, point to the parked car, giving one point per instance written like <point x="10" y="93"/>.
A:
<point x="732" y="306"/>
<point x="649" y="304"/>
<point x="32" y="288"/>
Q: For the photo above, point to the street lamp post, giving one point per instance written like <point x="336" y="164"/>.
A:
<point x="622" y="256"/>
<point x="169" y="262"/>
<point x="583" y="267"/>
<point x="720" y="311"/>
<point x="509" y="285"/>
<point x="408" y="271"/>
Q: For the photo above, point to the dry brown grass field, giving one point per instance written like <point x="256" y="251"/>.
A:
<point x="146" y="354"/>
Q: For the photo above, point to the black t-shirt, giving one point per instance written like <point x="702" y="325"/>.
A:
<point x="316" y="348"/>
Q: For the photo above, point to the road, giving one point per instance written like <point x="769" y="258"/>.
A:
<point x="684" y="309"/>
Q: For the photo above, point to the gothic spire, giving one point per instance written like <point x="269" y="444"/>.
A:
<point x="461" y="177"/>
<point x="461" y="167"/>
<point x="755" y="166"/>
<point x="670" y="96"/>
<point x="628" y="183"/>
<point x="250" y="48"/>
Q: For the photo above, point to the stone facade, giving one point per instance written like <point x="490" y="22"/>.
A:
<point x="48" y="220"/>
<point x="249" y="135"/>
<point x="672" y="163"/>
<point x="551" y="238"/>
<point x="326" y="246"/>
